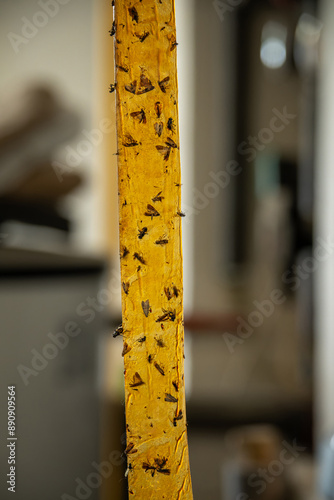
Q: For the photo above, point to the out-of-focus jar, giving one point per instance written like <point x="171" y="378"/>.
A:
<point x="255" y="465"/>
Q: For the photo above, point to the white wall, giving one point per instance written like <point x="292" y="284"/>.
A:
<point x="185" y="29"/>
<point x="214" y="117"/>
<point x="324" y="214"/>
<point x="58" y="52"/>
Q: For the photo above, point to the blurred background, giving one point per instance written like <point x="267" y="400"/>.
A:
<point x="257" y="125"/>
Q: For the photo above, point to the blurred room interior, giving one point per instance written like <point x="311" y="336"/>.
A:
<point x="257" y="126"/>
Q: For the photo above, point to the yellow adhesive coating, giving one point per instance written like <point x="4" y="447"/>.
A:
<point x="150" y="249"/>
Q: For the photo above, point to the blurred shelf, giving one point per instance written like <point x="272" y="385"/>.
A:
<point x="293" y="414"/>
<point x="27" y="262"/>
<point x="253" y="407"/>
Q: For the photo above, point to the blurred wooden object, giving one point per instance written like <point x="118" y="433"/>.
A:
<point x="204" y="323"/>
<point x="25" y="111"/>
<point x="40" y="184"/>
<point x="32" y="124"/>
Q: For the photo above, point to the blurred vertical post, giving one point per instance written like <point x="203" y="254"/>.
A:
<point x="150" y="249"/>
<point x="105" y="173"/>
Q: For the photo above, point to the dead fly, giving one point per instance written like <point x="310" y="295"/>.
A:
<point x="125" y="252"/>
<point x="158" y="197"/>
<point x="164" y="471"/>
<point x="118" y="331"/>
<point x="169" y="398"/>
<point x="134" y="14"/>
<point x="123" y="68"/>
<point x="173" y="43"/>
<point x="170" y="294"/>
<point x="126" y="349"/>
<point x="165" y="151"/>
<point x="131" y="87"/>
<point x="178" y="416"/>
<point x="147" y="466"/>
<point x="138" y="257"/>
<point x="129" y="141"/>
<point x="151" y="211"/>
<point x="158" y="467"/>
<point x="158" y="127"/>
<point x="160" y="343"/>
<point x="113" y="29"/>
<point x="158" y="108"/>
<point x="167" y="316"/>
<point x="181" y="214"/>
<point x="145" y="84"/>
<point x="130" y="449"/>
<point x="143" y="36"/>
<point x="175" y="385"/>
<point x="161" y="462"/>
<point x="170" y="125"/>
<point x="112" y="87"/>
<point x="146" y="307"/>
<point x="136" y="381"/>
<point x="170" y="143"/>
<point x="126" y="287"/>
<point x="142" y="339"/>
<point x="150" y="358"/>
<point x="158" y="367"/>
<point x="163" y="84"/>
<point x="142" y="233"/>
<point x="161" y="242"/>
<point x="140" y="115"/>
